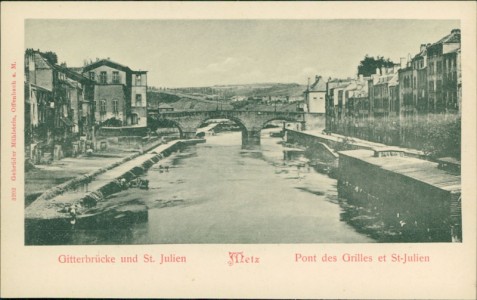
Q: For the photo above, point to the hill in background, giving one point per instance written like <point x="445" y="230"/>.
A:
<point x="219" y="96"/>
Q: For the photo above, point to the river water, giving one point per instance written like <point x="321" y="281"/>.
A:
<point x="218" y="192"/>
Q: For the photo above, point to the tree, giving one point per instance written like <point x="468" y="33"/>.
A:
<point x="369" y="64"/>
<point x="51" y="57"/>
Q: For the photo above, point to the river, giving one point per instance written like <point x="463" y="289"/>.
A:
<point x="219" y="193"/>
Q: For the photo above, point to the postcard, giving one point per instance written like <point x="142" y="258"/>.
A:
<point x="239" y="150"/>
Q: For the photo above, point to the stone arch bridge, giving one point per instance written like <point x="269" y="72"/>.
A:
<point x="251" y="122"/>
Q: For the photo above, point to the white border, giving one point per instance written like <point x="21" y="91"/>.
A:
<point x="34" y="271"/>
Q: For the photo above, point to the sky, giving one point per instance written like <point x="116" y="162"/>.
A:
<point x="187" y="53"/>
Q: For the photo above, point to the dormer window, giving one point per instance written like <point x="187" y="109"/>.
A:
<point x="103" y="77"/>
<point x="138" y="79"/>
<point x="115" y="77"/>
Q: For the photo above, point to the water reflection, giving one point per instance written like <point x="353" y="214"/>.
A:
<point x="221" y="192"/>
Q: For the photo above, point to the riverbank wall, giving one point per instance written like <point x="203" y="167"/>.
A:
<point x="84" y="179"/>
<point x="414" y="196"/>
<point x="50" y="217"/>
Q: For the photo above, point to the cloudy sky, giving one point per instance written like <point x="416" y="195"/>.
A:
<point x="180" y="53"/>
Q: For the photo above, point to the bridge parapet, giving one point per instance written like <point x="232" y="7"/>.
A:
<point x="251" y="122"/>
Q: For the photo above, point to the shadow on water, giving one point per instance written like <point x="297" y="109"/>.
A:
<point x="369" y="217"/>
<point x="185" y="153"/>
<point x="385" y="220"/>
<point x="107" y="225"/>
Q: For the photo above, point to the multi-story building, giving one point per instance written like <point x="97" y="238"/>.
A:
<point x="355" y="94"/>
<point x="329" y="105"/>
<point x="442" y="74"/>
<point x="404" y="101"/>
<point x="119" y="94"/>
<point x="408" y="100"/>
<point x="57" y="108"/>
<point x="380" y="88"/>
<point x="315" y="96"/>
<point x="419" y="81"/>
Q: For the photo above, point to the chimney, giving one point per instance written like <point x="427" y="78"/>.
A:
<point x="317" y="78"/>
<point x="378" y="72"/>
<point x="423" y="47"/>
<point x="383" y="71"/>
<point x="360" y="77"/>
<point x="308" y="86"/>
<point x="403" y="62"/>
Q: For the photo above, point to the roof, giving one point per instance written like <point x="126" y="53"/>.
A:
<point x="42" y="63"/>
<point x="318" y="86"/>
<point x="37" y="87"/>
<point x="386" y="78"/>
<point x="414" y="168"/>
<point x="109" y="63"/>
<point x="78" y="70"/>
<point x="351" y="86"/>
<point x="453" y="37"/>
<point x="421" y="54"/>
<point x="72" y="74"/>
<point x="68" y="83"/>
<point x="394" y="80"/>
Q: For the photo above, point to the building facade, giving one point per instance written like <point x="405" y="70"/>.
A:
<point x="315" y="96"/>
<point x="57" y="109"/>
<point x="402" y="102"/>
<point x="119" y="95"/>
<point x="442" y="74"/>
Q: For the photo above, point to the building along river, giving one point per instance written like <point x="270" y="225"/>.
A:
<point x="217" y="192"/>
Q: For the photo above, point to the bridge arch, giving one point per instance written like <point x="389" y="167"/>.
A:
<point x="246" y="136"/>
<point x="156" y="124"/>
<point x="251" y="122"/>
<point x="285" y="119"/>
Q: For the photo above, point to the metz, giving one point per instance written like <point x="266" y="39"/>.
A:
<point x="240" y="258"/>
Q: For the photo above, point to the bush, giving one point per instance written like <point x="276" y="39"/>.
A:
<point x="441" y="137"/>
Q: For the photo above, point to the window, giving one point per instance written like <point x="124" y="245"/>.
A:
<point x="103" y="77"/>
<point x="115" y="77"/>
<point x="134" y="119"/>
<point x="91" y="75"/>
<point x="115" y="107"/>
<point x="439" y="67"/>
<point x="102" y="108"/>
<point x="138" y="100"/>
<point x="138" y="79"/>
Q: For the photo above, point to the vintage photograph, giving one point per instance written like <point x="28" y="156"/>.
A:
<point x="242" y="131"/>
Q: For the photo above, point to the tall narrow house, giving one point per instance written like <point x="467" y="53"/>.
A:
<point x="315" y="96"/>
